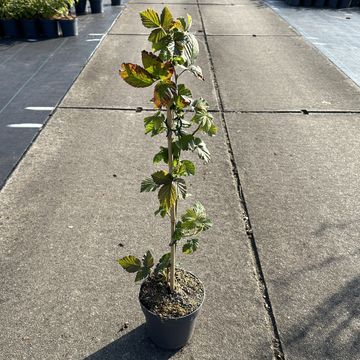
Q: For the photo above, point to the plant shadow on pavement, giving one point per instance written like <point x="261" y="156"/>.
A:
<point x="331" y="330"/>
<point x="135" y="345"/>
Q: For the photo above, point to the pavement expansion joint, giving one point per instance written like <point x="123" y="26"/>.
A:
<point x="256" y="35"/>
<point x="276" y="343"/>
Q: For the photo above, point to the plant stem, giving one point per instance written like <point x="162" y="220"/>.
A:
<point x="169" y="120"/>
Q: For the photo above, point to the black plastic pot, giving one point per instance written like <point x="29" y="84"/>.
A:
<point x="97" y="6"/>
<point x="80" y="7"/>
<point x="11" y="27"/>
<point x="173" y="333"/>
<point x="307" y="3"/>
<point x="69" y="27"/>
<point x="344" y="4"/>
<point x="319" y="3"/>
<point x="50" y="28"/>
<point x="30" y="28"/>
<point x="115" y="2"/>
<point x="293" y="2"/>
<point x="332" y="4"/>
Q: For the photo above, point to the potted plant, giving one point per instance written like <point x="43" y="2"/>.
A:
<point x="49" y="9"/>
<point x="170" y="297"/>
<point x="9" y="18"/>
<point x="29" y="12"/>
<point x="96" y="6"/>
<point x="68" y="22"/>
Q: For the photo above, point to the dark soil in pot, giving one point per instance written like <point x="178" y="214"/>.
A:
<point x="69" y="27"/>
<point x="97" y="6"/>
<point x="171" y="317"/>
<point x="187" y="297"/>
<point x="11" y="27"/>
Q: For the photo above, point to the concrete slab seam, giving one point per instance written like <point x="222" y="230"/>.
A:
<point x="276" y="342"/>
<point x="60" y="101"/>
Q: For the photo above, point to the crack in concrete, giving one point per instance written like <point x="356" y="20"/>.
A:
<point x="276" y="343"/>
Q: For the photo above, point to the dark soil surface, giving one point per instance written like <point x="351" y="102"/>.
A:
<point x="189" y="294"/>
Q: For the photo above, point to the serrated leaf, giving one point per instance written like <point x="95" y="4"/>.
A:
<point x="156" y="67"/>
<point x="183" y="98"/>
<point x="204" y="120"/>
<point x="202" y="150"/>
<point x="186" y="142"/>
<point x="135" y="75"/>
<point x="156" y="35"/>
<point x="190" y="48"/>
<point x="150" y="18"/>
<point x="190" y="246"/>
<point x="164" y="93"/>
<point x="200" y="105"/>
<point x="155" y="124"/>
<point x="179" y="24"/>
<point x="181" y="187"/>
<point x="166" y="18"/>
<point x="130" y="263"/>
<point x="163" y="263"/>
<point x="148" y="185"/>
<point x="194" y="221"/>
<point x="162" y="155"/>
<point x="213" y="130"/>
<point x="161" y="177"/>
<point x="167" y="196"/>
<point x="148" y="260"/>
<point x="189" y="167"/>
<point x="142" y="274"/>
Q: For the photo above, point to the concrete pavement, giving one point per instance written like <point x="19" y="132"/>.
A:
<point x="285" y="160"/>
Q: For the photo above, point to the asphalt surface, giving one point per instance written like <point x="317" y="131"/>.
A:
<point x="281" y="265"/>
<point x="36" y="76"/>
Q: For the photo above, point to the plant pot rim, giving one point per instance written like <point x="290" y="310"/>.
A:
<point x="180" y="317"/>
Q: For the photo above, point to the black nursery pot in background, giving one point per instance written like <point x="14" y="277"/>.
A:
<point x="80" y="7"/>
<point x="69" y="27"/>
<point x="11" y="27"/>
<point x="115" y="2"/>
<point x="50" y="28"/>
<point x="97" y="6"/>
<point x="30" y="28"/>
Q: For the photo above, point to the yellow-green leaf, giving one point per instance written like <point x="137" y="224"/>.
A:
<point x="150" y="18"/>
<point x="166" y="18"/>
<point x="130" y="263"/>
<point x="135" y="75"/>
<point x="164" y="93"/>
<point x="167" y="195"/>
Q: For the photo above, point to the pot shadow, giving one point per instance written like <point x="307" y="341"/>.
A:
<point x="135" y="345"/>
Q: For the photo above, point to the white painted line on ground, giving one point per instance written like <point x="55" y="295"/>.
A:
<point x="40" y="108"/>
<point x="96" y="34"/>
<point x="93" y="39"/>
<point x="25" y="126"/>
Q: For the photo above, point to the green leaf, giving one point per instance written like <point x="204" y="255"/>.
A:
<point x="190" y="246"/>
<point x="156" y="67"/>
<point x="200" y="105"/>
<point x="204" y="120"/>
<point x="189" y="167"/>
<point x="202" y="150"/>
<point x="156" y="35"/>
<point x="135" y="75"/>
<point x="164" y="93"/>
<point x="142" y="274"/>
<point x="162" y="155"/>
<point x="161" y="210"/>
<point x="167" y="196"/>
<point x="130" y="263"/>
<point x="183" y="97"/>
<point x="195" y="220"/>
<point x="189" y="22"/>
<point x="148" y="185"/>
<point x="155" y="124"/>
<point x="186" y="142"/>
<point x="196" y="71"/>
<point x="161" y="177"/>
<point x="150" y="18"/>
<point x="163" y="263"/>
<point x="148" y="260"/>
<point x="166" y="18"/>
<point x="181" y="187"/>
<point x="213" y="130"/>
<point x="191" y="48"/>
